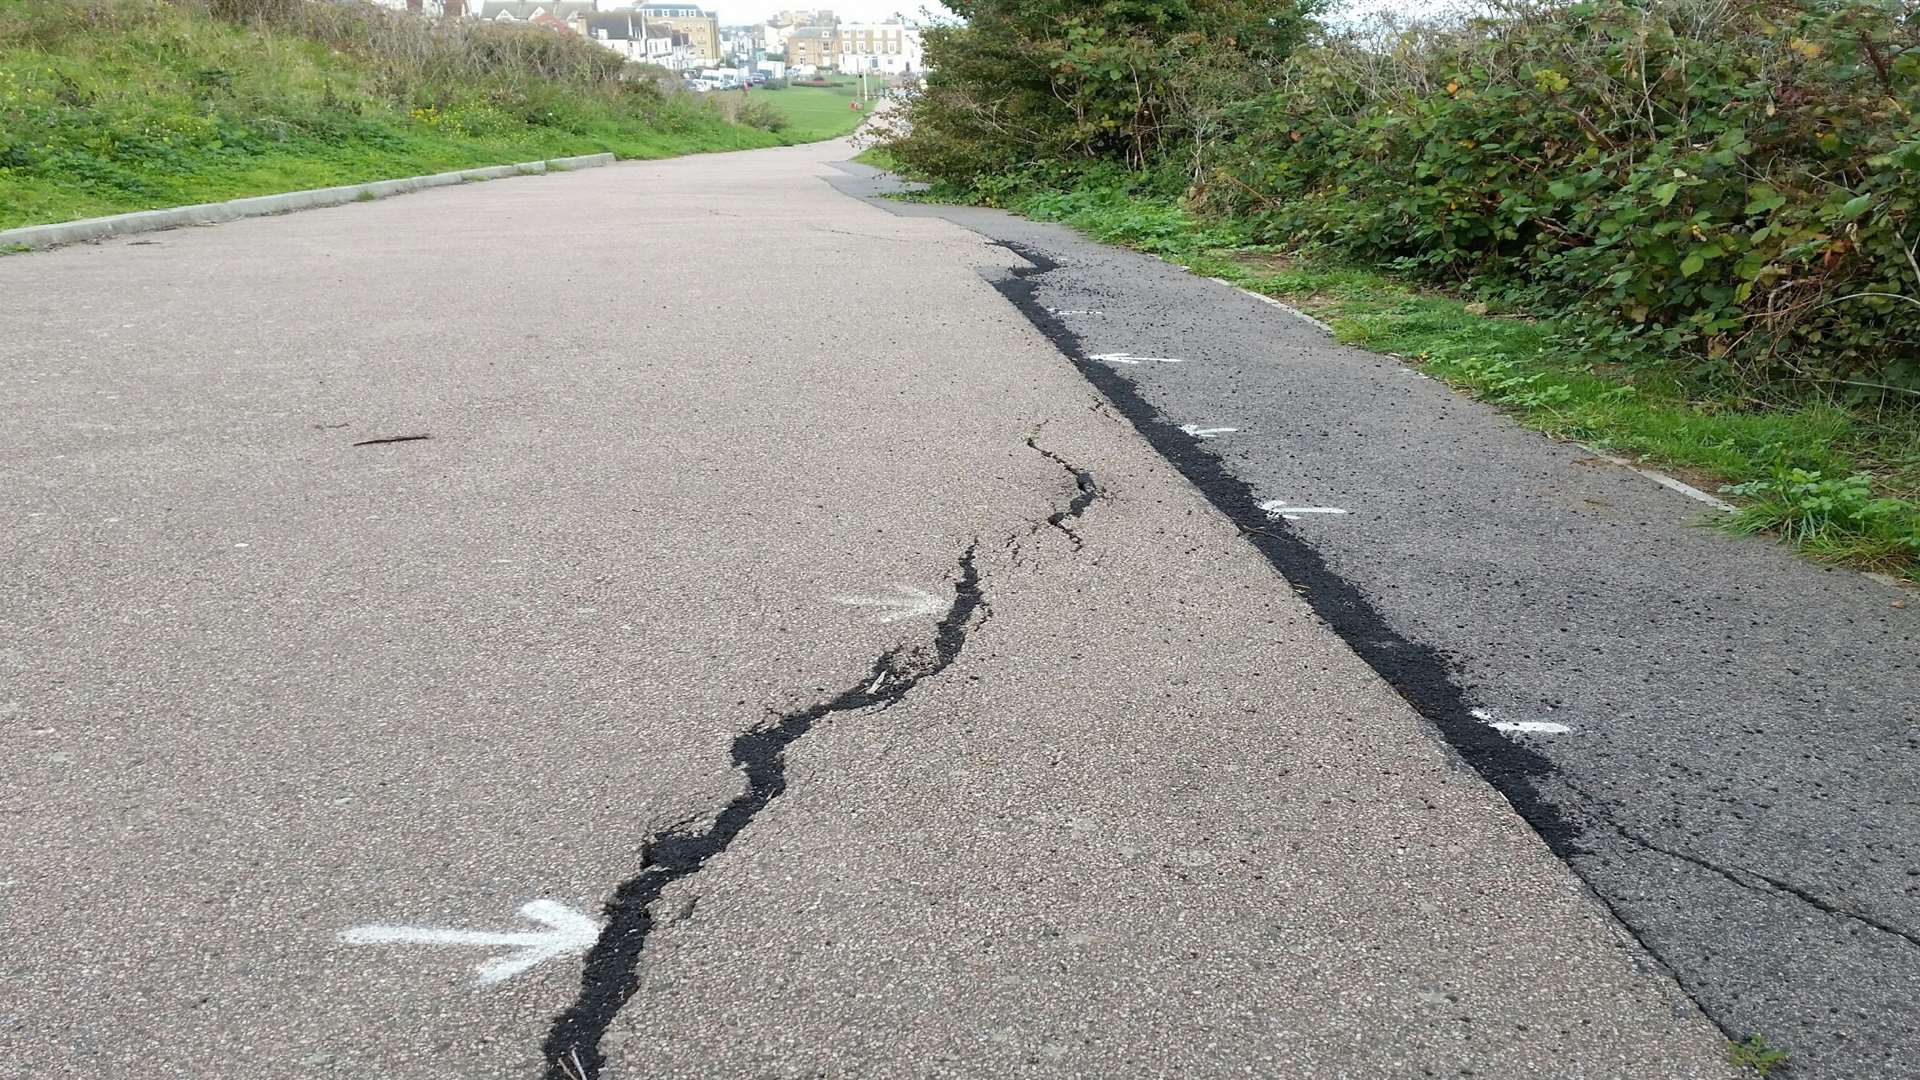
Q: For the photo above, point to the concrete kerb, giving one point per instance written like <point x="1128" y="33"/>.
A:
<point x="100" y="228"/>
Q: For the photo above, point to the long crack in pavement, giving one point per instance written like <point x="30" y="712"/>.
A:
<point x="611" y="971"/>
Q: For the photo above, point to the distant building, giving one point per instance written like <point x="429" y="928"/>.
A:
<point x="893" y="48"/>
<point x="821" y="17"/>
<point x="565" y="14"/>
<point x="771" y="38"/>
<point x="629" y="34"/>
<point x="813" y="46"/>
<point x="454" y="8"/>
<point x="701" y="28"/>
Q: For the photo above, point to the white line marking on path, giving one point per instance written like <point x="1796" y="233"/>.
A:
<point x="1279" y="508"/>
<point x="1207" y="432"/>
<point x="1662" y="479"/>
<point x="1074" y="311"/>
<point x="909" y="603"/>
<point x="568" y="933"/>
<point x="1528" y="727"/>
<point x="1282" y="305"/>
<point x="1129" y="358"/>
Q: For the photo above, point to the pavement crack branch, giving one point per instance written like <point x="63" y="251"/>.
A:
<point x="1755" y="881"/>
<point x="1087" y="492"/>
<point x="612" y="968"/>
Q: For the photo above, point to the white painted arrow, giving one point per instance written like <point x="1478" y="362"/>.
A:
<point x="568" y="933"/>
<point x="1129" y="358"/>
<point x="1525" y="727"/>
<point x="1278" y="508"/>
<point x="909" y="603"/>
<point x="1207" y="432"/>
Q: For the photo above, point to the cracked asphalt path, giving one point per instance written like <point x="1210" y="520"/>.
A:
<point x="1125" y="806"/>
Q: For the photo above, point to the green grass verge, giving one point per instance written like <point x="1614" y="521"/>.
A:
<point x="815" y="113"/>
<point x="120" y="106"/>
<point x="1837" y="483"/>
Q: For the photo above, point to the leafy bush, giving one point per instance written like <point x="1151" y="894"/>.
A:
<point x="1058" y="85"/>
<point x="1729" y="183"/>
<point x="753" y="110"/>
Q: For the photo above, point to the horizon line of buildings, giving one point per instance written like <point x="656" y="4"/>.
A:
<point x="683" y="37"/>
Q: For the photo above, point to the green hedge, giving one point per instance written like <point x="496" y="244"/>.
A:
<point x="1729" y="184"/>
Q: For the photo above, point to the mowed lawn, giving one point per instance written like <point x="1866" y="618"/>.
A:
<point x="817" y="112"/>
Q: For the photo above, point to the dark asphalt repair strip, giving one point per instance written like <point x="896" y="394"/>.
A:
<point x="612" y="967"/>
<point x="1417" y="672"/>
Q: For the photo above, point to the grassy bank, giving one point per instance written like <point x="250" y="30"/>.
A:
<point x="1837" y="480"/>
<point x="814" y="113"/>
<point x="115" y="105"/>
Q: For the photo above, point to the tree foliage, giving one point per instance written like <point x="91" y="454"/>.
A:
<point x="1726" y="186"/>
<point x="1732" y="181"/>
<point x="1058" y="85"/>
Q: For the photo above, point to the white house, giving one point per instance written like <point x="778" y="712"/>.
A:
<point x="630" y="35"/>
<point x="890" y="47"/>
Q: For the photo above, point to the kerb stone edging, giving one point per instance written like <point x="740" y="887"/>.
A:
<point x="74" y="232"/>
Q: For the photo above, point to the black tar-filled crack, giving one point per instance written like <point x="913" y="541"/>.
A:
<point x="612" y="966"/>
<point x="1418" y="672"/>
<point x="1082" y="479"/>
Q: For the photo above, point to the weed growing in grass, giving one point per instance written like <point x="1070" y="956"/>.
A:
<point x="1832" y="517"/>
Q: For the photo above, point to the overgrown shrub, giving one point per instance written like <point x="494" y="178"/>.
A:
<point x="1056" y="85"/>
<point x="753" y="110"/>
<point x="1729" y="184"/>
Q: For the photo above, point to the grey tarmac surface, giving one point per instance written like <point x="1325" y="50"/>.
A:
<point x="1115" y="802"/>
<point x="1740" y="781"/>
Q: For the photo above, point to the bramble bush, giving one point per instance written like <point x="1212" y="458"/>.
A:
<point x="1038" y="90"/>
<point x="1729" y="185"/>
<point x="1723" y="187"/>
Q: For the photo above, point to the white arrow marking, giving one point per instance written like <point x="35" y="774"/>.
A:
<point x="568" y="933"/>
<point x="1531" y="727"/>
<point x="1207" y="432"/>
<point x="1278" y="508"/>
<point x="910" y="603"/>
<point x="1129" y="358"/>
